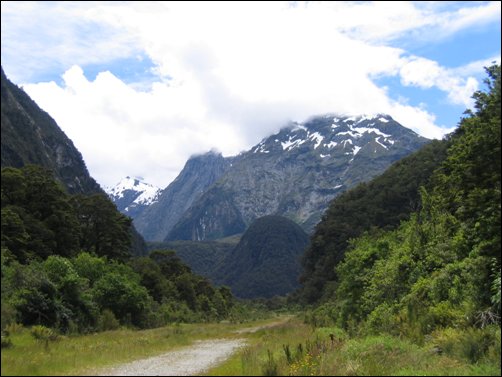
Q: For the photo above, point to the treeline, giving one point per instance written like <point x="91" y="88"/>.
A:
<point x="66" y="264"/>
<point x="438" y="271"/>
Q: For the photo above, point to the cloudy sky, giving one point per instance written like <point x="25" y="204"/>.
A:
<point x="141" y="86"/>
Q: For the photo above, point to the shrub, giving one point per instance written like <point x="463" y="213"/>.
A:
<point x="44" y="334"/>
<point x="6" y="342"/>
<point x="108" y="321"/>
<point x="471" y="344"/>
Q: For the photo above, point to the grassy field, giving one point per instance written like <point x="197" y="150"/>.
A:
<point x="289" y="347"/>
<point x="296" y="349"/>
<point x="76" y="355"/>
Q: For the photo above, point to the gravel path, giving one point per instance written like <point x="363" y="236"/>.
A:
<point x="188" y="361"/>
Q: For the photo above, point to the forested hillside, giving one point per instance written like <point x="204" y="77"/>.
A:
<point x="438" y="273"/>
<point x="66" y="250"/>
<point x="66" y="264"/>
<point x="31" y="136"/>
<point x="381" y="203"/>
<point x="266" y="261"/>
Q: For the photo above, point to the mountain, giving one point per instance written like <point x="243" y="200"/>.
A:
<point x="31" y="136"/>
<point x="295" y="173"/>
<point x="199" y="173"/>
<point x="266" y="261"/>
<point x="133" y="195"/>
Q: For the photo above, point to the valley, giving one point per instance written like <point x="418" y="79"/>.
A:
<point x="338" y="245"/>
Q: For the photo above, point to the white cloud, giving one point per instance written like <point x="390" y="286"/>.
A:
<point x="458" y="83"/>
<point x="475" y="67"/>
<point x="466" y="17"/>
<point x="43" y="36"/>
<point x="228" y="74"/>
<point x="121" y="131"/>
<point x="424" y="21"/>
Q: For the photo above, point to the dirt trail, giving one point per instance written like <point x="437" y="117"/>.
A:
<point x="187" y="361"/>
<point x="248" y="330"/>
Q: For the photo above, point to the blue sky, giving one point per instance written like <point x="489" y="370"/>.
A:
<point x="141" y="86"/>
<point x="476" y="43"/>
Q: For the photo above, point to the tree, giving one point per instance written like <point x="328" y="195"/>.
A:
<point x="469" y="181"/>
<point x="158" y="285"/>
<point x="104" y="230"/>
<point x="39" y="220"/>
<point x="170" y="264"/>
<point x="125" y="297"/>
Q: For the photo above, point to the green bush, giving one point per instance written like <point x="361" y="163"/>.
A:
<point x="322" y="316"/>
<point x="43" y="333"/>
<point x="108" y="321"/>
<point x="383" y="319"/>
<point x="470" y="344"/>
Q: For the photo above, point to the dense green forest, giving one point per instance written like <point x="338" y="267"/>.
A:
<point x="203" y="257"/>
<point x="265" y="262"/>
<point x="262" y="263"/>
<point x="437" y="272"/>
<point x="66" y="264"/>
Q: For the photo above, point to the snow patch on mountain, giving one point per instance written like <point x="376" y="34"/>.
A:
<point x="318" y="139"/>
<point x="144" y="193"/>
<point x="354" y="128"/>
<point x="291" y="143"/>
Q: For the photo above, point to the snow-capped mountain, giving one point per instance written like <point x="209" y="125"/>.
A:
<point x="132" y="195"/>
<point x="296" y="173"/>
<point x="335" y="136"/>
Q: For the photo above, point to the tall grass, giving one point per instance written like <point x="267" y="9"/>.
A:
<point x="76" y="355"/>
<point x="294" y="349"/>
<point x="290" y="348"/>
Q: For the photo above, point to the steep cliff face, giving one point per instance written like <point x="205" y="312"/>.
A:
<point x="31" y="136"/>
<point x="224" y="219"/>
<point x="297" y="172"/>
<point x="199" y="173"/>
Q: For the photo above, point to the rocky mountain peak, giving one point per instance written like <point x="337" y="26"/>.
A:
<point x="333" y="134"/>
<point x="199" y="173"/>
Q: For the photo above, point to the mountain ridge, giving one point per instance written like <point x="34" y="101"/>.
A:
<point x="31" y="136"/>
<point x="199" y="173"/>
<point x="296" y="173"/>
